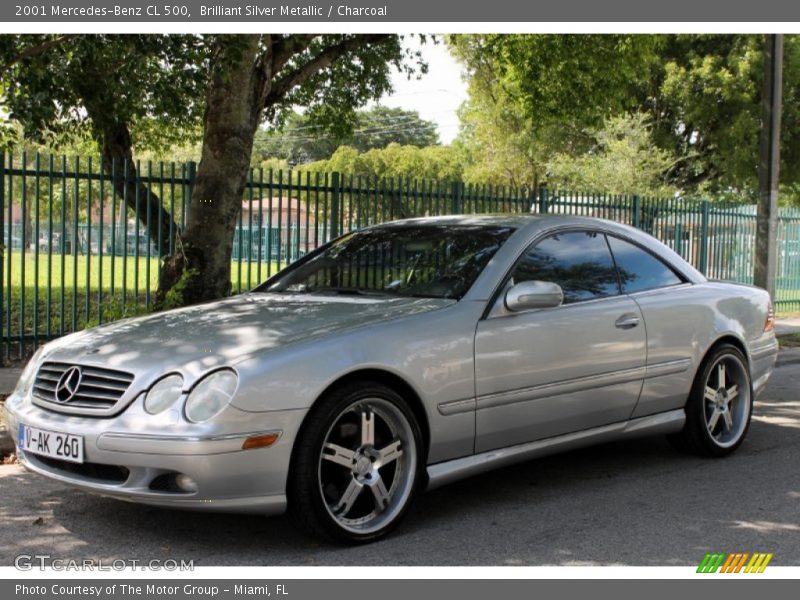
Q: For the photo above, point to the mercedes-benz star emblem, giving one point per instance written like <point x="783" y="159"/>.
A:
<point x="68" y="385"/>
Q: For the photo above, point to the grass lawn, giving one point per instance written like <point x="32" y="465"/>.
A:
<point x="112" y="272"/>
<point x="787" y="302"/>
<point x="81" y="291"/>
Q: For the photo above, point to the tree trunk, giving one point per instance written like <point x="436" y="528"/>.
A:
<point x="240" y="86"/>
<point x="120" y="168"/>
<point x="118" y="161"/>
<point x="200" y="269"/>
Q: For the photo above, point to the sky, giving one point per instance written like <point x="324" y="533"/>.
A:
<point x="437" y="95"/>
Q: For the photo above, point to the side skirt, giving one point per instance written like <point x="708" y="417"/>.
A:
<point x="447" y="472"/>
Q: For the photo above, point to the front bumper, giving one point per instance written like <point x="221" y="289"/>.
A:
<point x="135" y="456"/>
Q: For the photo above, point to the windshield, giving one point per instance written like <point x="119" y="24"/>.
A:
<point x="435" y="261"/>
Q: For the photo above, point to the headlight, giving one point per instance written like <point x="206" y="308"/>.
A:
<point x="211" y="395"/>
<point x="163" y="394"/>
<point x="26" y="379"/>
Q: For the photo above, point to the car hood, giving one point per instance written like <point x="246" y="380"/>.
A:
<point x="204" y="336"/>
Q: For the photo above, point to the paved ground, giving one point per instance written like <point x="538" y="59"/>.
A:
<point x="787" y="325"/>
<point x="634" y="503"/>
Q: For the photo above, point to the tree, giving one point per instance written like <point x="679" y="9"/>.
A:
<point x="623" y="159"/>
<point x="220" y="87"/>
<point x="706" y="107"/>
<point x="531" y="96"/>
<point x="301" y="140"/>
<point x="439" y="163"/>
<point x="498" y="142"/>
<point x="701" y="94"/>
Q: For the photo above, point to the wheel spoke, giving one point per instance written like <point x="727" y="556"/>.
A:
<point x="728" y="419"/>
<point x="381" y="494"/>
<point x="721" y="376"/>
<point x="391" y="452"/>
<point x="339" y="455"/>
<point x="367" y="428"/>
<point x="733" y="391"/>
<point x="710" y="394"/>
<point x="348" y="497"/>
<point x="712" y="422"/>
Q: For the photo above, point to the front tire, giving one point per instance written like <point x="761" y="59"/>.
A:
<point x="357" y="464"/>
<point x="719" y="407"/>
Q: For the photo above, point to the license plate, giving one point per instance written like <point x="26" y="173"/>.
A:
<point x="64" y="446"/>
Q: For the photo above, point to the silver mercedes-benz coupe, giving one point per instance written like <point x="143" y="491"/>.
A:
<point x="397" y="358"/>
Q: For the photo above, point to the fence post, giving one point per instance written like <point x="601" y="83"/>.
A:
<point x="458" y="191"/>
<point x="542" y="199"/>
<point x="191" y="172"/>
<point x="3" y="250"/>
<point x="704" y="237"/>
<point x="334" y="225"/>
<point x="636" y="207"/>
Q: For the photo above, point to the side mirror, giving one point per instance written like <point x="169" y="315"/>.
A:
<point x="533" y="294"/>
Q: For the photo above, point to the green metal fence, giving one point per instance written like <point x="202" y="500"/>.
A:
<point x="74" y="255"/>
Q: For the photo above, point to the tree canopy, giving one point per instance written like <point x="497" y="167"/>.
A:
<point x="623" y="159"/>
<point x="440" y="163"/>
<point x="533" y="97"/>
<point x="301" y="140"/>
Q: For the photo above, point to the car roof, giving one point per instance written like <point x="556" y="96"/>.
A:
<point x="518" y="221"/>
<point x="502" y="220"/>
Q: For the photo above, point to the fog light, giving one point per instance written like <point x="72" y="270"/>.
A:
<point x="185" y="483"/>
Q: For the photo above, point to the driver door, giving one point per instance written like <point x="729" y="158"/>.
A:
<point x="547" y="372"/>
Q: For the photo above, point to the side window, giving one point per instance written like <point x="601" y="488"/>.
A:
<point x="579" y="262"/>
<point x="638" y="269"/>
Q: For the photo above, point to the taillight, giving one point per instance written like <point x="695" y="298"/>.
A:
<point x="769" y="325"/>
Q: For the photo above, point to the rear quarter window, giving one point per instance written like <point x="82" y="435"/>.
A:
<point x="638" y="269"/>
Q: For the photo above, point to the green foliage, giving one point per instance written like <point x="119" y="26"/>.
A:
<point x="174" y="297"/>
<point x="56" y="86"/>
<point x="534" y="97"/>
<point x="274" y="164"/>
<point x="180" y="153"/>
<point x="394" y="161"/>
<point x="709" y="91"/>
<point x="582" y="77"/>
<point x="300" y="140"/>
<point x="331" y="95"/>
<point x="153" y="83"/>
<point x="623" y="159"/>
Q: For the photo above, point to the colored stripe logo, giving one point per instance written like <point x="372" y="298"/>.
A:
<point x="737" y="562"/>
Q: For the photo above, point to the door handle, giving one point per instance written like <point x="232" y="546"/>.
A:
<point x="627" y="321"/>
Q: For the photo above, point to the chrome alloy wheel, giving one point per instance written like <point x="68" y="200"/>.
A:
<point x="727" y="400"/>
<point x="367" y="465"/>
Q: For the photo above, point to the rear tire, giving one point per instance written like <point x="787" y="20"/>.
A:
<point x="357" y="464"/>
<point x="719" y="407"/>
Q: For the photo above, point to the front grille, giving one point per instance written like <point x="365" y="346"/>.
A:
<point x="90" y="391"/>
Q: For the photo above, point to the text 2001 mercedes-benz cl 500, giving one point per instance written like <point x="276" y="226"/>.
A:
<point x="399" y="357"/>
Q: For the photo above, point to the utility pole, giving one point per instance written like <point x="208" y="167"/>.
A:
<point x="769" y="164"/>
